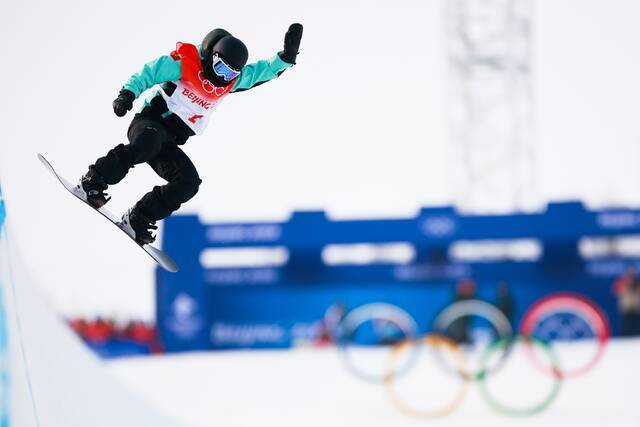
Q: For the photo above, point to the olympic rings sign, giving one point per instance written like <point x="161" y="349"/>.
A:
<point x="532" y="409"/>
<point x="441" y="344"/>
<point x="579" y="306"/>
<point x="391" y="325"/>
<point x="452" y="351"/>
<point x="457" y="311"/>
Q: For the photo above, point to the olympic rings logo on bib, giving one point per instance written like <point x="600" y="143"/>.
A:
<point x="209" y="87"/>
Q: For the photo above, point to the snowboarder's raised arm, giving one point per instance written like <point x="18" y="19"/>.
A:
<point x="259" y="72"/>
<point x="160" y="70"/>
<point x="262" y="71"/>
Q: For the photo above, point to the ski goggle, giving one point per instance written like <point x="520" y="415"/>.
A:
<point x="223" y="69"/>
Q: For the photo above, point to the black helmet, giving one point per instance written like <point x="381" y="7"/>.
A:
<point x="206" y="48"/>
<point x="220" y="42"/>
<point x="232" y="51"/>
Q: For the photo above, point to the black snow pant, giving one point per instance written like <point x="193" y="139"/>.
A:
<point x="152" y="143"/>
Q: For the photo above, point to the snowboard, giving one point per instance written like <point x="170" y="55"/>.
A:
<point x="164" y="260"/>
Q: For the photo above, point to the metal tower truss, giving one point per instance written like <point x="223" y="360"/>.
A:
<point x="491" y="114"/>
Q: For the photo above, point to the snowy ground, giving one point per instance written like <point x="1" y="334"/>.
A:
<point x="311" y="387"/>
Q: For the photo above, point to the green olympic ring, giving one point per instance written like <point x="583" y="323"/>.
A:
<point x="520" y="412"/>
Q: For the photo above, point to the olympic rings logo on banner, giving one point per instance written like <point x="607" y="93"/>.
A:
<point x="537" y="335"/>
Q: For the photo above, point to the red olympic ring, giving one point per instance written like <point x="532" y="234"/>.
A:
<point x="582" y="307"/>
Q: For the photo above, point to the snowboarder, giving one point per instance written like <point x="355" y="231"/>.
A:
<point x="194" y="80"/>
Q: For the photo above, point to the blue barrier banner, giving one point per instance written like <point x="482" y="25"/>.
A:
<point x="4" y="342"/>
<point x="2" y="211"/>
<point x="313" y="263"/>
<point x="4" y="363"/>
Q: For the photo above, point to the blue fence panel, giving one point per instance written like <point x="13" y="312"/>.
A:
<point x="4" y="341"/>
<point x="207" y="308"/>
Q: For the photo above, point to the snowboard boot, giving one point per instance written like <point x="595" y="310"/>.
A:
<point x="139" y="227"/>
<point x="91" y="188"/>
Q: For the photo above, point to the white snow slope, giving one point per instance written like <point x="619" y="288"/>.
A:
<point x="54" y="380"/>
<point x="311" y="388"/>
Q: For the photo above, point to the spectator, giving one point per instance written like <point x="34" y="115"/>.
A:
<point x="329" y="324"/>
<point x="99" y="331"/>
<point x="79" y="326"/>
<point x="140" y="332"/>
<point x="627" y="291"/>
<point x="459" y="330"/>
<point x="504" y="301"/>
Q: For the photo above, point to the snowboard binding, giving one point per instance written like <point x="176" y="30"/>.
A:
<point x="91" y="188"/>
<point x="138" y="226"/>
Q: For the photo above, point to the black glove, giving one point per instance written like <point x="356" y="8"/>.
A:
<point x="291" y="43"/>
<point x="123" y="103"/>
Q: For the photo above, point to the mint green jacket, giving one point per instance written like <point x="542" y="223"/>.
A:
<point x="166" y="69"/>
